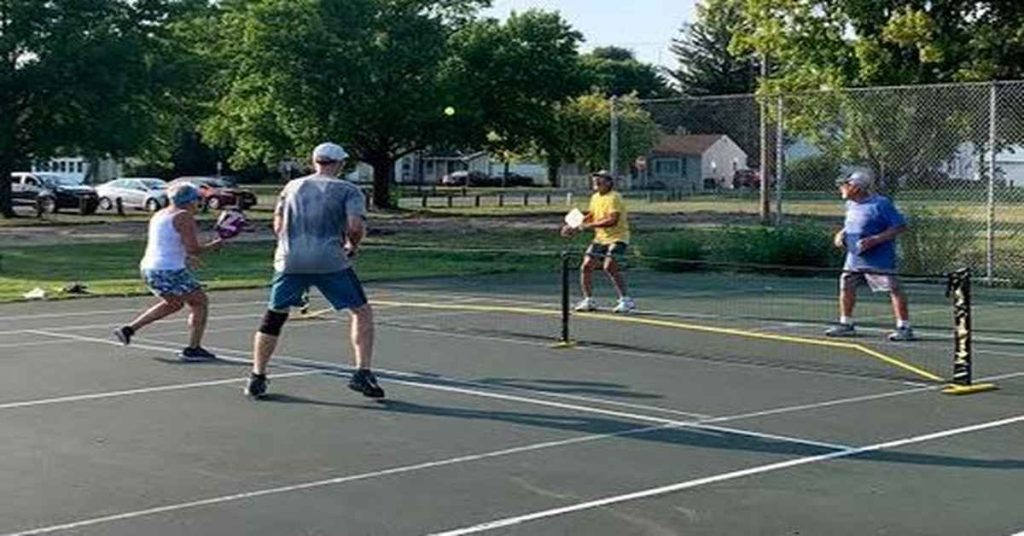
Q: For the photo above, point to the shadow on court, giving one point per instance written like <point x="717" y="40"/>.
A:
<point x="675" y="436"/>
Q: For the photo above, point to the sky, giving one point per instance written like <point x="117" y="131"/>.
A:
<point x="645" y="26"/>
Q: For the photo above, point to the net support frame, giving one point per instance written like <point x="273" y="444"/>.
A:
<point x="958" y="287"/>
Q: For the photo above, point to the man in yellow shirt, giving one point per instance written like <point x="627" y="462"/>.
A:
<point x="607" y="217"/>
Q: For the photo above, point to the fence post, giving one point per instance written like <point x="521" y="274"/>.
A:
<point x="119" y="206"/>
<point x="423" y="201"/>
<point x="613" y="154"/>
<point x="476" y="200"/>
<point x="780" y="175"/>
<point x="765" y="206"/>
<point x="501" y="199"/>
<point x="450" y="200"/>
<point x="568" y="199"/>
<point x="990" y="246"/>
<point x="526" y="199"/>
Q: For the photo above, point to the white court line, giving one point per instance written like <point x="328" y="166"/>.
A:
<point x="322" y="483"/>
<point x="484" y="385"/>
<point x="176" y="317"/>
<point x="99" y="312"/>
<point x="215" y="305"/>
<point x="33" y="343"/>
<point x="424" y="384"/>
<point x="722" y="477"/>
<point x="124" y="516"/>
<point x="404" y="469"/>
<point x="410" y="468"/>
<point x="166" y="320"/>
<point x="139" y="391"/>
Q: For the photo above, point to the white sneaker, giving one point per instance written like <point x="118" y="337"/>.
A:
<point x="625" y="305"/>
<point x="586" y="304"/>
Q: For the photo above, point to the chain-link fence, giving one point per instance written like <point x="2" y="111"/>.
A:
<point x="951" y="156"/>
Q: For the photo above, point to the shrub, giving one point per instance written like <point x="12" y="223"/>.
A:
<point x="790" y="245"/>
<point x="665" y="251"/>
<point x="814" y="173"/>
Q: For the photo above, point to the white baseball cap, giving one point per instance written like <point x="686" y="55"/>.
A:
<point x="329" y="152"/>
<point x="860" y="177"/>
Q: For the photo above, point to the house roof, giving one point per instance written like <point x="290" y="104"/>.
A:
<point x="685" y="144"/>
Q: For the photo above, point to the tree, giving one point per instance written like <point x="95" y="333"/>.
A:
<point x="706" y="65"/>
<point x="615" y="71"/>
<point x="95" y="77"/>
<point x="385" y="78"/>
<point x="514" y="76"/>
<point x="884" y="42"/>
<point x="901" y="133"/>
<point x="367" y="73"/>
<point x="583" y="129"/>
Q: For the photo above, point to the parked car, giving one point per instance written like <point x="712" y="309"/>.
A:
<point x="52" y="192"/>
<point x="746" y="179"/>
<point x="134" y="192"/>
<point x="514" y="179"/>
<point x="218" y="194"/>
<point x="465" y="178"/>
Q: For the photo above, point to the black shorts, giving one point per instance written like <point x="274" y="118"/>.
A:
<point x="616" y="251"/>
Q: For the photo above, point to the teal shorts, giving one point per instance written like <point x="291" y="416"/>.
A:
<point x="341" y="289"/>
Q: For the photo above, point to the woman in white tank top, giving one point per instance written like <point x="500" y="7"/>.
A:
<point x="171" y="249"/>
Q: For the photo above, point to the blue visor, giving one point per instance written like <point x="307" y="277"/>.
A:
<point x="184" y="194"/>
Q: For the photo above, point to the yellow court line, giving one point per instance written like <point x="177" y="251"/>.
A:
<point x="684" y="326"/>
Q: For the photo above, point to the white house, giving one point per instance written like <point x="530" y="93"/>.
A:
<point x="970" y="164"/>
<point x="78" y="168"/>
<point x="429" y="167"/>
<point x="693" y="162"/>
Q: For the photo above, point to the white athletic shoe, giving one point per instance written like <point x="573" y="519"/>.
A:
<point x="586" y="304"/>
<point x="625" y="305"/>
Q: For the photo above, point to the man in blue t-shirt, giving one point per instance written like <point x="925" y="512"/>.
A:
<point x="868" y="235"/>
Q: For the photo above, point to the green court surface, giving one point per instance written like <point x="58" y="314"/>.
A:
<point x="719" y="408"/>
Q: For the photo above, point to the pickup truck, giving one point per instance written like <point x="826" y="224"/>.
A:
<point x="52" y="192"/>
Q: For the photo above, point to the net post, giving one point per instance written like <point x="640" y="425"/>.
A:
<point x="958" y="287"/>
<point x="565" y="341"/>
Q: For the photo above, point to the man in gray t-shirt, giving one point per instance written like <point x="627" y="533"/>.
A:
<point x="319" y="221"/>
<point x="314" y="212"/>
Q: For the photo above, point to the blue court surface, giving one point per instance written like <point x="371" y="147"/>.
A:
<point x="643" y="428"/>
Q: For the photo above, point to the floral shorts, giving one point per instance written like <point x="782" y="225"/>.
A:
<point x="165" y="283"/>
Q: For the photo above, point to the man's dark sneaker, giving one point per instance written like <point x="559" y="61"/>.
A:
<point x="124" y="334"/>
<point x="365" y="382"/>
<point x="257" y="386"/>
<point x="841" y="330"/>
<point x="196" y="354"/>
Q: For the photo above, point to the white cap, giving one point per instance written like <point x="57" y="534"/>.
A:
<point x="860" y="177"/>
<point x="329" y="152"/>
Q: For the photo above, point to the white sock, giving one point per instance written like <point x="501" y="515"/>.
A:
<point x="902" y="324"/>
<point x="846" y="320"/>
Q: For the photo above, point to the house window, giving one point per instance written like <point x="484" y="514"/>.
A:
<point x="667" y="168"/>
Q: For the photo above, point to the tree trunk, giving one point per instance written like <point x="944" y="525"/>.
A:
<point x="554" y="166"/>
<point x="6" y="199"/>
<point x="383" y="176"/>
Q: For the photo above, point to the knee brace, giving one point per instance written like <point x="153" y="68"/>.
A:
<point x="272" y="322"/>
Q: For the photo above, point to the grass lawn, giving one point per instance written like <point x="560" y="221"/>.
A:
<point x="111" y="269"/>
